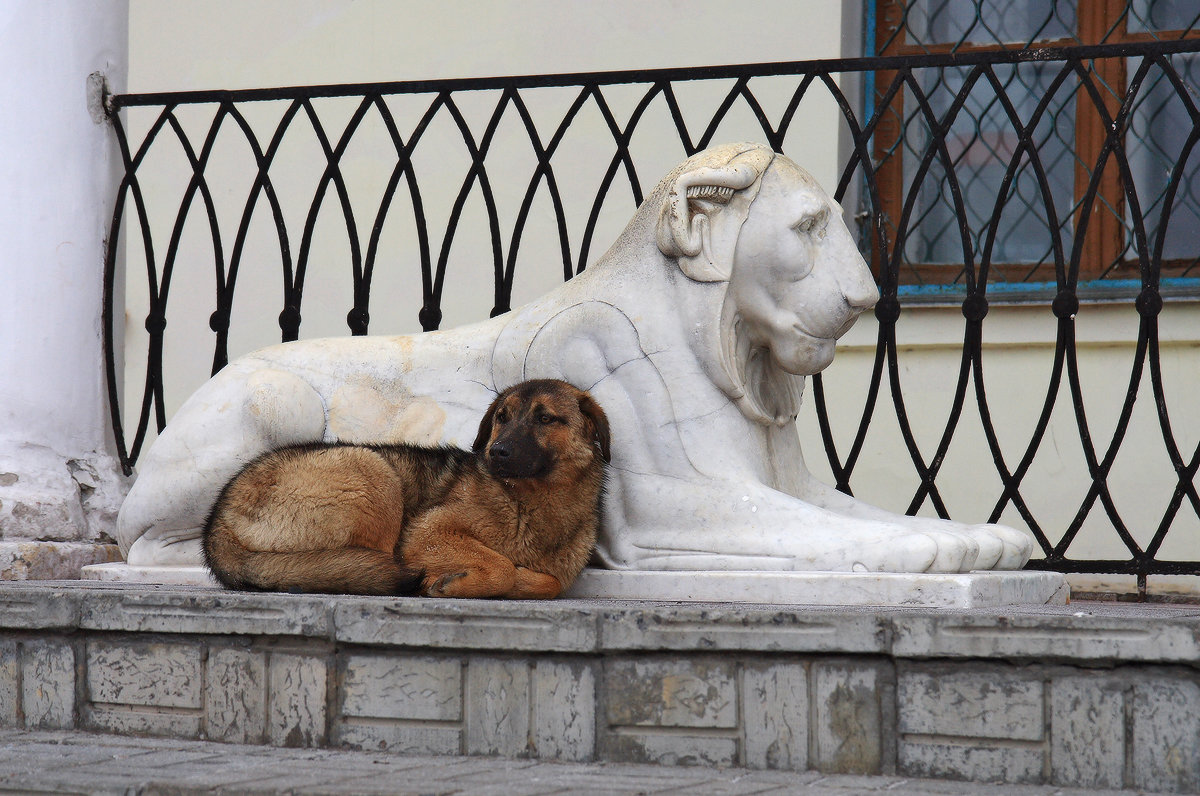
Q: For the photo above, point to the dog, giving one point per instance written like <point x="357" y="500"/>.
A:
<point x="514" y="517"/>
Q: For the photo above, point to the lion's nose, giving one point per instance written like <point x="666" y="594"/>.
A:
<point x="858" y="286"/>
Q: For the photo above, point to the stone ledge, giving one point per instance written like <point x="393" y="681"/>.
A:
<point x="968" y="590"/>
<point x="1095" y="632"/>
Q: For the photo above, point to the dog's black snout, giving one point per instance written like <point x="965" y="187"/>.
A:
<point x="499" y="451"/>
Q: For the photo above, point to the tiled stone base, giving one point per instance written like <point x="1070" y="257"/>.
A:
<point x="1097" y="696"/>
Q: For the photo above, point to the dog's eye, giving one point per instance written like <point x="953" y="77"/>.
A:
<point x="502" y="416"/>
<point x="546" y="419"/>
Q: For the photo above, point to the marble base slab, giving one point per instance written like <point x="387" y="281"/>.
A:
<point x="970" y="590"/>
<point x="171" y="576"/>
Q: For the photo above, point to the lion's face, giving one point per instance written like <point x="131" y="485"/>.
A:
<point x="798" y="282"/>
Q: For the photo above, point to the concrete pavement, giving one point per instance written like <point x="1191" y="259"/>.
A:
<point x="68" y="762"/>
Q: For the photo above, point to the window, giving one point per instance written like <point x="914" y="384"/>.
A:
<point x="1069" y="133"/>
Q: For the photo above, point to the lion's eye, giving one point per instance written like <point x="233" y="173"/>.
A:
<point x="813" y="224"/>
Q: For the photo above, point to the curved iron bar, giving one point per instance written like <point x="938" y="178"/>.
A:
<point x="1025" y="146"/>
<point x="860" y="156"/>
<point x="223" y="315"/>
<point x="937" y="147"/>
<point x="477" y="171"/>
<point x="1099" y="469"/>
<point x="289" y="318"/>
<point x="404" y="167"/>
<point x="543" y="170"/>
<point x="621" y="137"/>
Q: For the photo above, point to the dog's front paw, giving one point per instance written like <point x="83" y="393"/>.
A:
<point x="438" y="587"/>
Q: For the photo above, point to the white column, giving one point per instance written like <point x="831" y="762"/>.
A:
<point x="59" y="481"/>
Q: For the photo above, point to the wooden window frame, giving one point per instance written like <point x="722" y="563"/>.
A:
<point x="1098" y="21"/>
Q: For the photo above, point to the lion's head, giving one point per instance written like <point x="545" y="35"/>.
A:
<point x="742" y="216"/>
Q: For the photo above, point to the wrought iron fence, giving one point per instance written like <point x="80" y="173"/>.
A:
<point x="283" y="209"/>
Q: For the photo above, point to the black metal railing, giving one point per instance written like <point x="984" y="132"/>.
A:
<point x="451" y="143"/>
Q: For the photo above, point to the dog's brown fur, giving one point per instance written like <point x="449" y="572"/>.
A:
<point x="514" y="517"/>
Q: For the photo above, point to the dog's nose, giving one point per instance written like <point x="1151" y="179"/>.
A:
<point x="499" y="451"/>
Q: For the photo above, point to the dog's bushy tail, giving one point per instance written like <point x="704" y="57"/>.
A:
<point x="347" y="570"/>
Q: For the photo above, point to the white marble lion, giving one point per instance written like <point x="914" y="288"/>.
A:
<point x="695" y="331"/>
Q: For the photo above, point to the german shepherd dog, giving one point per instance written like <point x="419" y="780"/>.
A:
<point x="516" y="516"/>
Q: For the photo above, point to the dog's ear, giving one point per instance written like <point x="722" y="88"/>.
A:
<point x="599" y="421"/>
<point x="485" y="426"/>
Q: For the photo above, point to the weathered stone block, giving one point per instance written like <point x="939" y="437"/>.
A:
<point x="972" y="762"/>
<point x="675" y="692"/>
<point x="10" y="684"/>
<point x="1087" y="733"/>
<point x="947" y="700"/>
<point x="144" y="674"/>
<point x="670" y="749"/>
<point x="402" y="687"/>
<point x="48" y="685"/>
<point x="1166" y="735"/>
<point x="849" y="718"/>
<point x="775" y="714"/>
<point x="215" y="612"/>
<point x="399" y="738"/>
<point x="296" y="709"/>
<point x="498" y="707"/>
<point x="465" y="624"/>
<point x="33" y="608"/>
<point x="714" y="628"/>
<point x="235" y="696"/>
<point x="565" y="710"/>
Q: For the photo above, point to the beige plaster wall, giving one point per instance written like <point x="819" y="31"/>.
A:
<point x="239" y="44"/>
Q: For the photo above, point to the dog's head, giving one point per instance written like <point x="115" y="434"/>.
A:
<point x="539" y="428"/>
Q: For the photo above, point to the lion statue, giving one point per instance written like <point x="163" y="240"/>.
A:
<point x="695" y="331"/>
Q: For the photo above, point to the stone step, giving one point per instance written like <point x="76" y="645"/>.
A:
<point x="1085" y="695"/>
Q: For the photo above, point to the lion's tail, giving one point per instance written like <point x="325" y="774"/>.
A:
<point x="346" y="570"/>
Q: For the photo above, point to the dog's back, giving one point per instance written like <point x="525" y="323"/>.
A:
<point x="326" y="517"/>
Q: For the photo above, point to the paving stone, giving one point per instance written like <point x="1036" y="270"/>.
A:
<point x="1087" y="737"/>
<point x="1166" y="734"/>
<point x="849" y="720"/>
<point x="564" y="697"/>
<point x="235" y="696"/>
<point x="498" y="693"/>
<point x="969" y="702"/>
<point x="775" y="716"/>
<point x="296" y="709"/>
<point x="48" y="684"/>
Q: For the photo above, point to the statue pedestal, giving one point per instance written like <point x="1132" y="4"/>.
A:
<point x="967" y="590"/>
<point x="970" y="590"/>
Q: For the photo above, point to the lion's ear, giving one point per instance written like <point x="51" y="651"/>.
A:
<point x="705" y="208"/>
